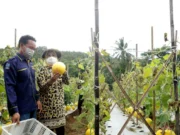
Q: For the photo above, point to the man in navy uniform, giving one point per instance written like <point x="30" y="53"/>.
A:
<point x="19" y="76"/>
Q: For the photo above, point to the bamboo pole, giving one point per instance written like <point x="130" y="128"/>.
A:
<point x="176" y="74"/>
<point x="137" y="94"/>
<point x="174" y="66"/>
<point x="96" y="79"/>
<point x="92" y="40"/>
<point x="80" y="99"/>
<point x="152" y="40"/>
<point x="92" y="37"/>
<point x="154" y="93"/>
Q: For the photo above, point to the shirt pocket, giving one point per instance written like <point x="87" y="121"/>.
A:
<point x="22" y="74"/>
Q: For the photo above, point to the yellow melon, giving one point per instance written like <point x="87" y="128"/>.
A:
<point x="68" y="108"/>
<point x="76" y="103"/>
<point x="137" y="115"/>
<point x="59" y="67"/>
<point x="169" y="132"/>
<point x="73" y="107"/>
<point x="149" y="121"/>
<point x="90" y="125"/>
<point x="129" y="110"/>
<point x="90" y="132"/>
<point x="159" y="132"/>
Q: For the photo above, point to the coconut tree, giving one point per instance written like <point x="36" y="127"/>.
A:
<point x="124" y="57"/>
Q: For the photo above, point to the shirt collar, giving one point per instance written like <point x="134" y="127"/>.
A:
<point x="22" y="57"/>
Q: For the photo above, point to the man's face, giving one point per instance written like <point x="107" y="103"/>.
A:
<point x="30" y="44"/>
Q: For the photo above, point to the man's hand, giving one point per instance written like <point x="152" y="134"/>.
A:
<point x="39" y="106"/>
<point x="16" y="118"/>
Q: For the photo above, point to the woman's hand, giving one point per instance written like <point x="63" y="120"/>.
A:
<point x="50" y="82"/>
<point x="54" y="78"/>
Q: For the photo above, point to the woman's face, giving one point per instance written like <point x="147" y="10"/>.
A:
<point x="51" y="58"/>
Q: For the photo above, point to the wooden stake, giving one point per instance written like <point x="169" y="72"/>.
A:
<point x="92" y="40"/>
<point x="176" y="74"/>
<point x="136" y="52"/>
<point x="174" y="66"/>
<point x="92" y="37"/>
<point x="96" y="79"/>
<point x="154" y="93"/>
<point x="152" y="40"/>
<point x="137" y="94"/>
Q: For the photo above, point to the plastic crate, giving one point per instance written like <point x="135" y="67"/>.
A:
<point x="26" y="127"/>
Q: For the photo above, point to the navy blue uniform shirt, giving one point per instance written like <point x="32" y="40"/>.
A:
<point x="19" y="77"/>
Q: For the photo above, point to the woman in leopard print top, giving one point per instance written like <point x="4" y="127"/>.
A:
<point x="52" y="93"/>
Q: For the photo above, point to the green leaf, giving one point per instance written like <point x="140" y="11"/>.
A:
<point x="104" y="64"/>
<point x="101" y="78"/>
<point x="170" y="101"/>
<point x="82" y="115"/>
<point x="104" y="52"/>
<point x="5" y="115"/>
<point x="147" y="72"/>
<point x="163" y="118"/>
<point x="166" y="57"/>
<point x="79" y="91"/>
<point x="81" y="66"/>
<point x="2" y="89"/>
<point x="156" y="61"/>
<point x="66" y="89"/>
<point x="165" y="98"/>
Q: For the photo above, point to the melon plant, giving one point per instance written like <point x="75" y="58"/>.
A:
<point x="136" y="83"/>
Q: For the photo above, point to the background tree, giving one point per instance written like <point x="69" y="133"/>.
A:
<point x="6" y="54"/>
<point x="157" y="53"/>
<point x="123" y="59"/>
<point x="39" y="51"/>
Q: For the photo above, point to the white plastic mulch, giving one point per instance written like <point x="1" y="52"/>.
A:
<point x="117" y="121"/>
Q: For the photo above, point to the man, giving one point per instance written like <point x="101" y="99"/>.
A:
<point x="19" y="77"/>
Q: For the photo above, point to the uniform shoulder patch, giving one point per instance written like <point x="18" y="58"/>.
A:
<point x="7" y="66"/>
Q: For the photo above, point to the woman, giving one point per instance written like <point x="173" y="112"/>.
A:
<point x="52" y="93"/>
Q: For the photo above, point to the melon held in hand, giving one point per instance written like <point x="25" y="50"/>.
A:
<point x="59" y="67"/>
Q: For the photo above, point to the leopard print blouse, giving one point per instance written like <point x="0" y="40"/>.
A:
<point x="52" y="99"/>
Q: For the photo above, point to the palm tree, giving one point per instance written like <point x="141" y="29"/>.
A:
<point x="120" y="52"/>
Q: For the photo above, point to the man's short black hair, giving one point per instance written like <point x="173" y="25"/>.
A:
<point x="24" y="39"/>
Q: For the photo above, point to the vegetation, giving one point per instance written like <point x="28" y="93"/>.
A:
<point x="133" y="75"/>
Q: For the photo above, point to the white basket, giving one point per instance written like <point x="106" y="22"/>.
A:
<point x="26" y="127"/>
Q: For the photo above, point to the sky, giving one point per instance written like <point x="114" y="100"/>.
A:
<point x="66" y="24"/>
